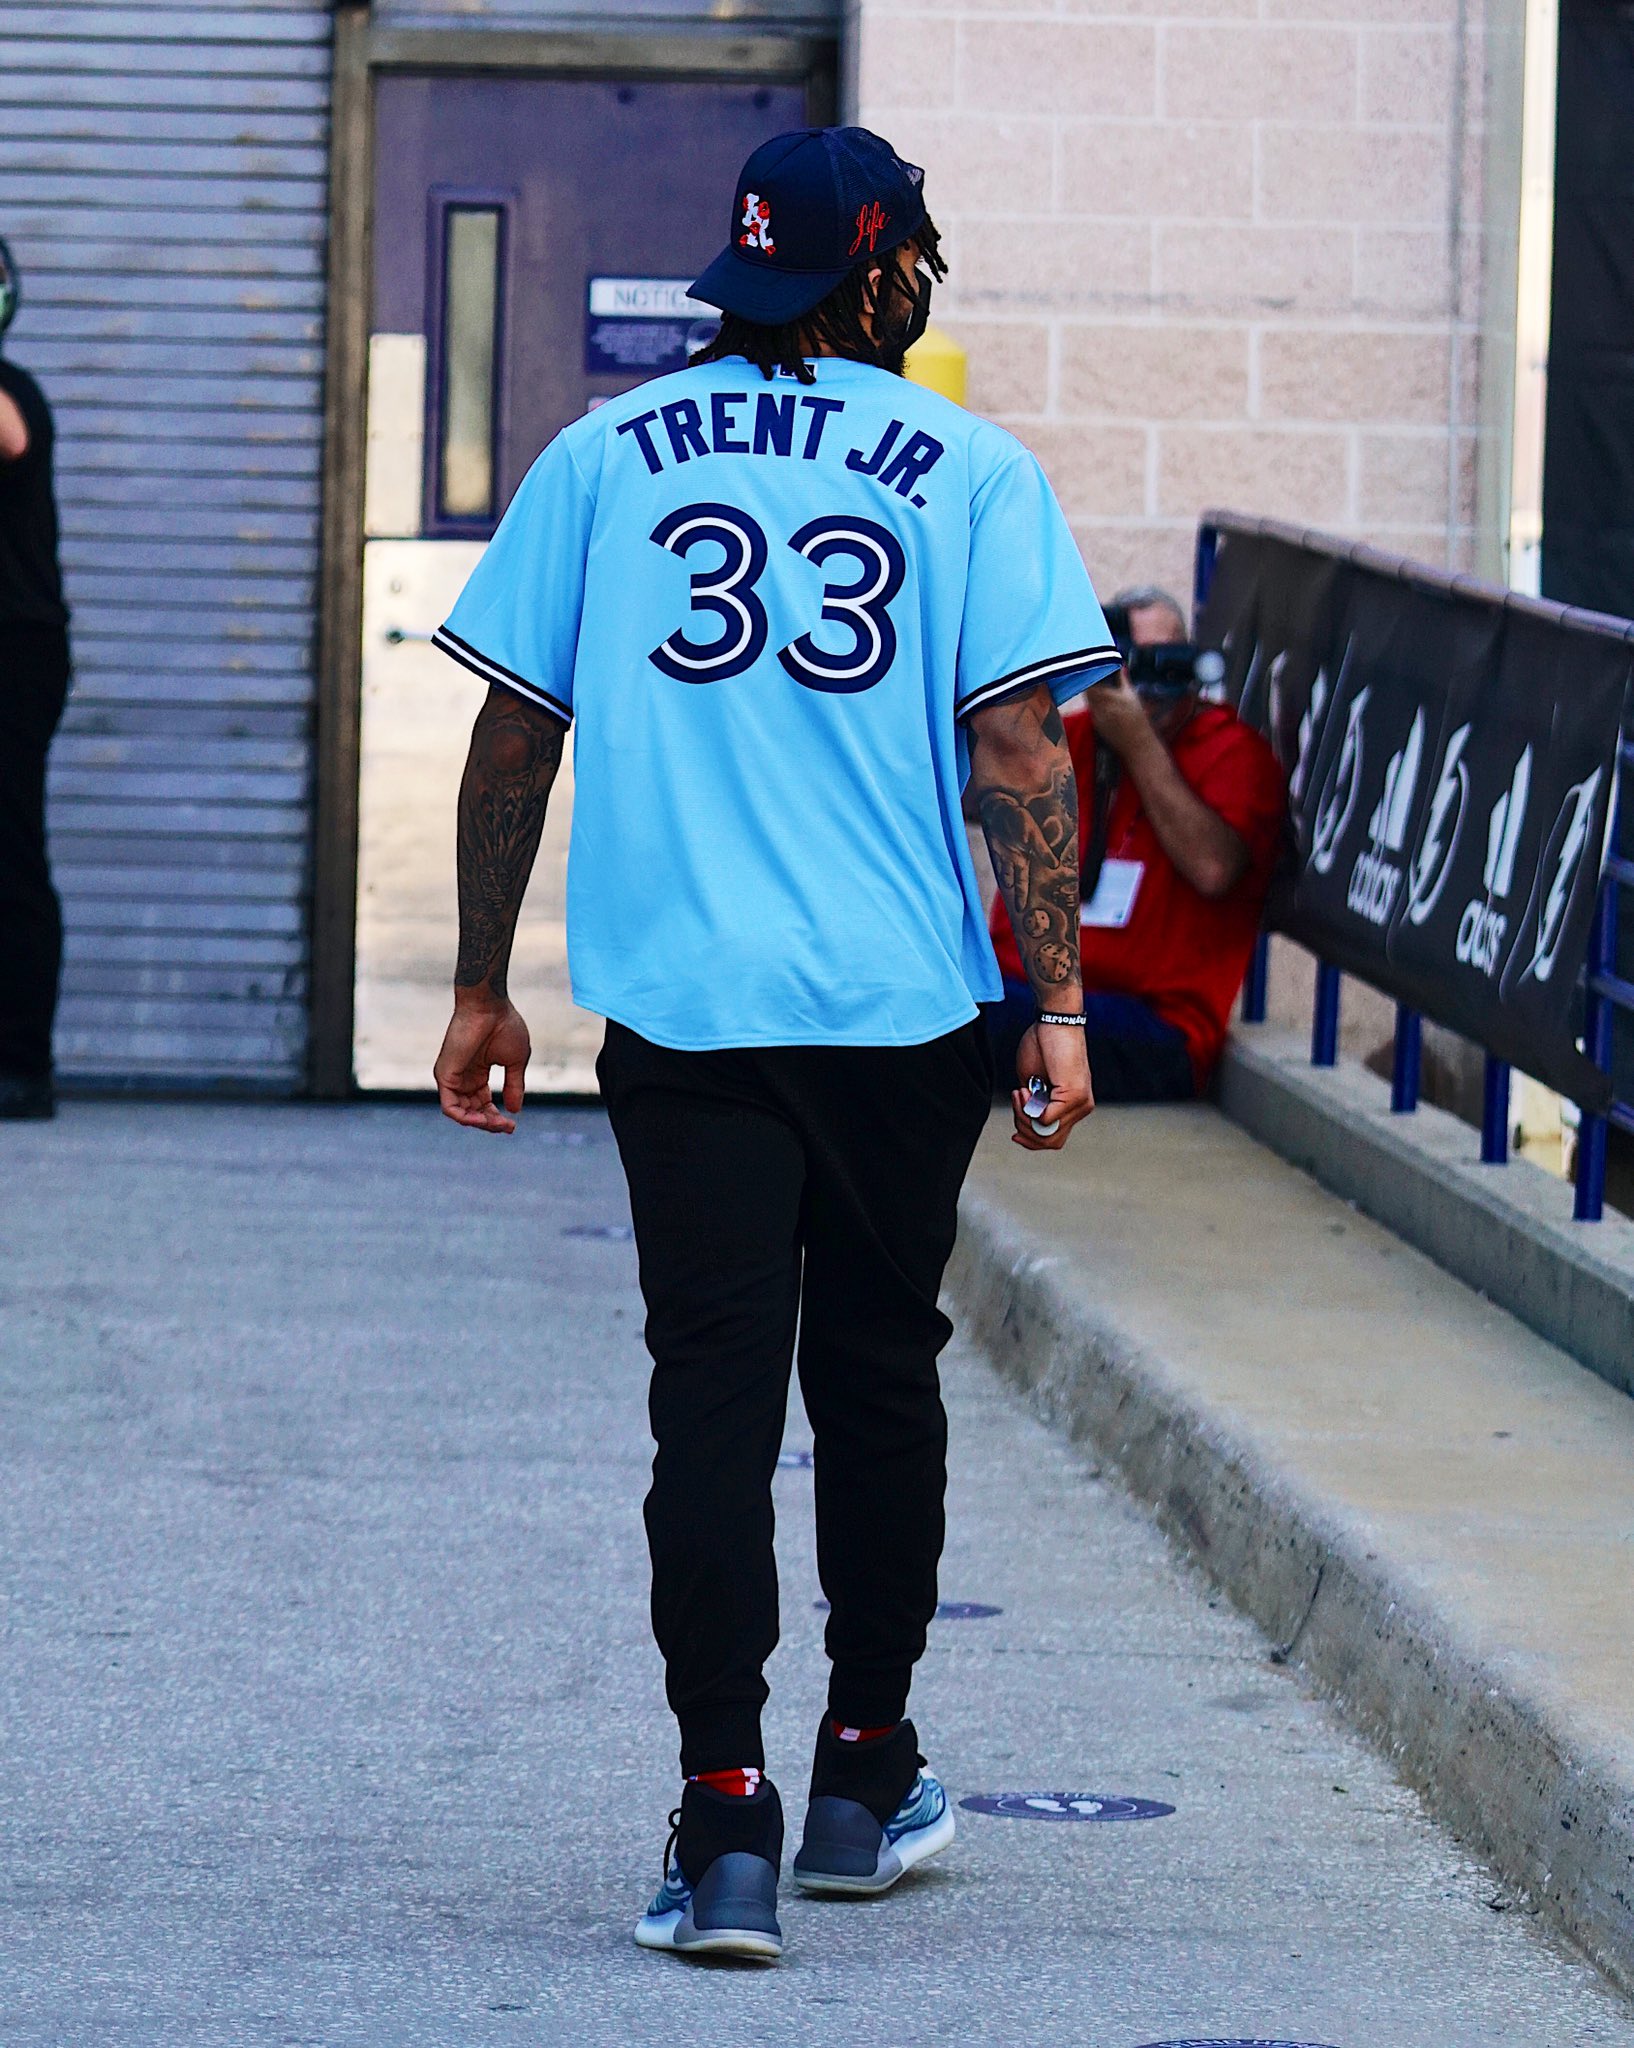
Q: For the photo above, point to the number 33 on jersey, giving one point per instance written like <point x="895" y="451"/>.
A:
<point x="766" y="607"/>
<point x="728" y="591"/>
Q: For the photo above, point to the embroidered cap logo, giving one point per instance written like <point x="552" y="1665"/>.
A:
<point x="872" y="221"/>
<point x="757" y="219"/>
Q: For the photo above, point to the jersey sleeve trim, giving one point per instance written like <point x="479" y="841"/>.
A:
<point x="492" y="671"/>
<point x="1049" y="670"/>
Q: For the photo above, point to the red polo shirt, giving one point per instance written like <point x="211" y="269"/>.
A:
<point x="1181" y="954"/>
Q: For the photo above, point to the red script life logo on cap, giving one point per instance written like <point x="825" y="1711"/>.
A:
<point x="872" y="221"/>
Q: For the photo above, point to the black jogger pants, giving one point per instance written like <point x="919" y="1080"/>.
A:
<point x="796" y="1185"/>
<point x="33" y="686"/>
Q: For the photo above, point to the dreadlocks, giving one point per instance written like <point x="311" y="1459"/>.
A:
<point x="835" y="325"/>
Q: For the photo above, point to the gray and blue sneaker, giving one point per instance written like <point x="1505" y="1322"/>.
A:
<point x="730" y="1909"/>
<point x="863" y="1831"/>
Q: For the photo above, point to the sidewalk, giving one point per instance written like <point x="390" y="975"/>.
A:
<point x="1431" y="1506"/>
<point x="328" y="1712"/>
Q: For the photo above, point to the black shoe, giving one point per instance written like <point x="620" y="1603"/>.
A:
<point x="719" y="1895"/>
<point x="26" y="1098"/>
<point x="874" y="1813"/>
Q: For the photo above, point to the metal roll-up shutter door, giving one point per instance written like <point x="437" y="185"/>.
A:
<point x="163" y="185"/>
<point x="600" y="17"/>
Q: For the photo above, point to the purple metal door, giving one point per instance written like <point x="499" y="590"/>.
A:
<point x="588" y="180"/>
<point x="533" y="239"/>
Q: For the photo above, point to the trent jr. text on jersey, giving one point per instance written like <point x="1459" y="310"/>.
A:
<point x="778" y="423"/>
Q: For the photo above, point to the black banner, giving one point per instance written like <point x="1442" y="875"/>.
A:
<point x="1451" y="753"/>
<point x="1588" y="441"/>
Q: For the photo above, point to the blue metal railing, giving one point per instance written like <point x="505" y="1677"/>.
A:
<point x="1407" y="1064"/>
<point x="1325" y="1016"/>
<point x="1606" y="993"/>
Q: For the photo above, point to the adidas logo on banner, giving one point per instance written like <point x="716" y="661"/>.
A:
<point x="1481" y="929"/>
<point x="1376" y="878"/>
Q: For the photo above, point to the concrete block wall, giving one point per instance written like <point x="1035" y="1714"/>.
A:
<point x="1207" y="252"/>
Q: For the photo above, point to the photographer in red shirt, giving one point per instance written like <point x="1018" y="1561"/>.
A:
<point x="1181" y="814"/>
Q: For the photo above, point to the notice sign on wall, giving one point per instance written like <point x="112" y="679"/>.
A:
<point x="643" y="326"/>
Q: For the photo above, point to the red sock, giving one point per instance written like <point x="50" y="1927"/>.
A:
<point x="738" y="1783"/>
<point x="842" y="1733"/>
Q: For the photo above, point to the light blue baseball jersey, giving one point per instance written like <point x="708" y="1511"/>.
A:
<point x="766" y="608"/>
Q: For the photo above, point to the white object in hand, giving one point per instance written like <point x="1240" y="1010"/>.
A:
<point x="1038" y="1104"/>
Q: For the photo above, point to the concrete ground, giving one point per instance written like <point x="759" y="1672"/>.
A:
<point x="328" y="1712"/>
<point x="1370" y="1456"/>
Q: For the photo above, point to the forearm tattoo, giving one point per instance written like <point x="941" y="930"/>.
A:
<point x="515" y="752"/>
<point x="1031" y="823"/>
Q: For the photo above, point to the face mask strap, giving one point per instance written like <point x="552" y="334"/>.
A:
<point x="898" y="333"/>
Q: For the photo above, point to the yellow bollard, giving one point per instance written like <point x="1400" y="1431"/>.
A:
<point x="937" y="361"/>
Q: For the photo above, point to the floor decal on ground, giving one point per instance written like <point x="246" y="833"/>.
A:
<point x="1064" y="1806"/>
<point x="947" y="1610"/>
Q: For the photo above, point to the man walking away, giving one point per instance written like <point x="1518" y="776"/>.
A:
<point x="33" y="686"/>
<point x="786" y="595"/>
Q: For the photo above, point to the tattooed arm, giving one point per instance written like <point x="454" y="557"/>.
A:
<point x="1027" y="798"/>
<point x="515" y="752"/>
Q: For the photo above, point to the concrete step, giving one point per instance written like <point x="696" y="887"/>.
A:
<point x="1427" y="1506"/>
<point x="1506" y="1231"/>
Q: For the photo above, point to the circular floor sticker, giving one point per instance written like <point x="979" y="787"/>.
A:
<point x="947" y="1610"/>
<point x="794" y="1461"/>
<point x="1064" y="1806"/>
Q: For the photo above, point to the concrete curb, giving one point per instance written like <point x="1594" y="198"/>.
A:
<point x="1492" y="1759"/>
<point x="1505" y="1231"/>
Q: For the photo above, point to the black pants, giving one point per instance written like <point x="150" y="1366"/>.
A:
<point x="807" y="1184"/>
<point x="33" y="685"/>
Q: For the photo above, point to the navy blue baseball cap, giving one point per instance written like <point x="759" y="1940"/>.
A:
<point x="810" y="206"/>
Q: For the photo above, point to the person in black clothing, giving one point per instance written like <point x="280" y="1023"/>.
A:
<point x="33" y="686"/>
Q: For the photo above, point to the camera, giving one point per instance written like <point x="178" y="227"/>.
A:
<point x="1173" y="668"/>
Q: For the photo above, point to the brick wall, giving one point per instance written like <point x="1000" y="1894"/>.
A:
<point x="1207" y="252"/>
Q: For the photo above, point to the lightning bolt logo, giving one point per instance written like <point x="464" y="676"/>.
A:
<point x="1339" y="798"/>
<point x="1433" y="860"/>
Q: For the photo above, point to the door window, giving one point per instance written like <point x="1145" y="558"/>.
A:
<point x="468" y="268"/>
